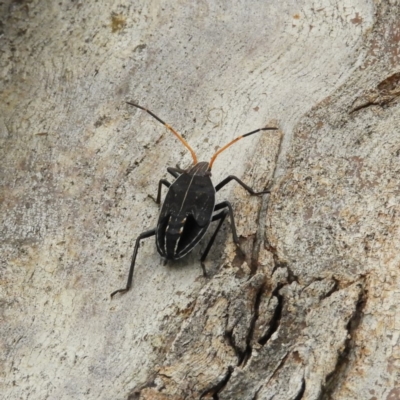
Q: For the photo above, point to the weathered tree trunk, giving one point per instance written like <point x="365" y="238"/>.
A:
<point x="310" y="311"/>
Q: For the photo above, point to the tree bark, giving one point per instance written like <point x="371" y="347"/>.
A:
<point x="310" y="311"/>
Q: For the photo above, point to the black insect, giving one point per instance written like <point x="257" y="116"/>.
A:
<point x="189" y="207"/>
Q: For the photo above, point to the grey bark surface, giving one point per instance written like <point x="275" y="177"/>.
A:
<point x="311" y="311"/>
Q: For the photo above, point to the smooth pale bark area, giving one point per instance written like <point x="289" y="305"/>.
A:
<point x="310" y="311"/>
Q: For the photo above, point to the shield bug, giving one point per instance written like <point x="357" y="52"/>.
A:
<point x="189" y="207"/>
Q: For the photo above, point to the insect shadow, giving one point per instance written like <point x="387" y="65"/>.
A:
<point x="189" y="207"/>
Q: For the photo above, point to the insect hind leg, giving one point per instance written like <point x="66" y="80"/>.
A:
<point x="228" y="206"/>
<point x="221" y="216"/>
<point x="143" y="235"/>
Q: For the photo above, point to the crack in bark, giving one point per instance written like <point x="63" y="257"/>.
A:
<point x="333" y="378"/>
<point x="214" y="390"/>
<point x="385" y="93"/>
<point x="334" y="289"/>
<point x="302" y="390"/>
<point x="249" y="348"/>
<point x="260" y="237"/>
<point x="255" y="397"/>
<point x="231" y="341"/>
<point x="276" y="318"/>
<point x="292" y="277"/>
<point x="364" y="105"/>
<point x="279" y="367"/>
<point x="277" y="262"/>
<point x="380" y="103"/>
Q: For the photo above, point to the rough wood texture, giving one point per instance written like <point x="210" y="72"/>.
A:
<point x="310" y="312"/>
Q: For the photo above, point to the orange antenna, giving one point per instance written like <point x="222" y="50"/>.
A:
<point x="235" y="140"/>
<point x="185" y="143"/>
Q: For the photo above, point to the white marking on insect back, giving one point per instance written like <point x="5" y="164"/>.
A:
<point x="176" y="244"/>
<point x="187" y="191"/>
<point x="165" y="236"/>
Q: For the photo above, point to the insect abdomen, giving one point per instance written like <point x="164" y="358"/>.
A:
<point x="176" y="236"/>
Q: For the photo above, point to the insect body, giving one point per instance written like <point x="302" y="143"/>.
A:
<point x="186" y="213"/>
<point x="189" y="207"/>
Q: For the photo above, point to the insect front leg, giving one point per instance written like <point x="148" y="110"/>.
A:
<point x="143" y="235"/>
<point x="175" y="172"/>
<point x="162" y="182"/>
<point x="248" y="188"/>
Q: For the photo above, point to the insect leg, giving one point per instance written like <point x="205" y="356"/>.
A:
<point x="143" y="235"/>
<point x="160" y="183"/>
<point x="220" y="216"/>
<point x="175" y="172"/>
<point x="248" y="188"/>
<point x="226" y="204"/>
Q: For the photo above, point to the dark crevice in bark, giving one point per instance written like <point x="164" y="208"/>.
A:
<point x="251" y="254"/>
<point x="277" y="263"/>
<point x="365" y="105"/>
<point x="299" y="395"/>
<point x="219" y="386"/>
<point x="390" y="84"/>
<point x="381" y="103"/>
<point x="385" y="93"/>
<point x="256" y="308"/>
<point x="255" y="397"/>
<point x="332" y="380"/>
<point x="276" y="318"/>
<point x="302" y="390"/>
<point x="291" y="276"/>
<point x="334" y="289"/>
<point x="240" y="255"/>
<point x="231" y="341"/>
<point x="279" y="367"/>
